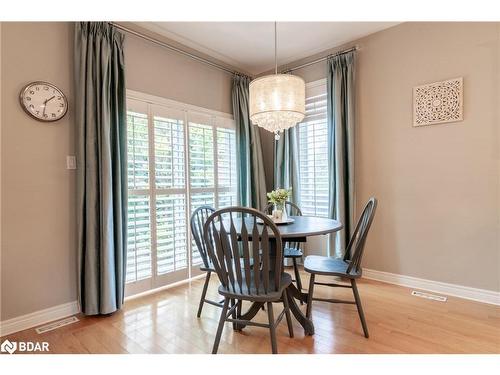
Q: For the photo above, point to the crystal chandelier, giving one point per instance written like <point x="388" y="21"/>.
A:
<point x="277" y="101"/>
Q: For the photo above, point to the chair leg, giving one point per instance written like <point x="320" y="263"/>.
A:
<point x="221" y="325"/>
<point x="360" y="308"/>
<point x="297" y="276"/>
<point x="287" y="313"/>
<point x="203" y="294"/>
<point x="238" y="312"/>
<point x="310" y="297"/>
<point x="238" y="309"/>
<point x="234" y="314"/>
<point x="272" y="328"/>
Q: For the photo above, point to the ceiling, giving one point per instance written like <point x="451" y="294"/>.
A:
<point x="249" y="46"/>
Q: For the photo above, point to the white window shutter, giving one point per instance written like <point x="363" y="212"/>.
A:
<point x="313" y="154"/>
<point x="178" y="160"/>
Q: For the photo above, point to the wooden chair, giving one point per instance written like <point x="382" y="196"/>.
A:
<point x="198" y="219"/>
<point x="346" y="268"/>
<point x="292" y="250"/>
<point x="231" y="252"/>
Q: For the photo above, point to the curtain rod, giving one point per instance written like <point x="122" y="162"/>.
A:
<point x="175" y="49"/>
<point x="324" y="58"/>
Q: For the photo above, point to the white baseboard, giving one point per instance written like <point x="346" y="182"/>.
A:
<point x="480" y="295"/>
<point x="37" y="318"/>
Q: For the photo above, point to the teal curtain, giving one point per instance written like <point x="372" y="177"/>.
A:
<point x="100" y="121"/>
<point x="251" y="177"/>
<point x="340" y="112"/>
<point x="286" y="166"/>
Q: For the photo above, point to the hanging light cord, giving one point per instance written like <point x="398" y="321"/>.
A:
<point x="275" y="49"/>
<point x="276" y="133"/>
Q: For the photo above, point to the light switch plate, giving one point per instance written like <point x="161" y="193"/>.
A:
<point x="70" y="162"/>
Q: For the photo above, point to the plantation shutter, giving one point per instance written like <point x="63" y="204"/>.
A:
<point x="313" y="154"/>
<point x="178" y="159"/>
<point x="138" y="224"/>
<point x="170" y="193"/>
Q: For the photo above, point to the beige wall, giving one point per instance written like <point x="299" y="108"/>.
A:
<point x="38" y="215"/>
<point x="439" y="186"/>
<point x="154" y="70"/>
<point x="38" y="193"/>
<point x="0" y="169"/>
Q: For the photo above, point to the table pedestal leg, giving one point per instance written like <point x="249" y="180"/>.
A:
<point x="292" y="295"/>
<point x="252" y="311"/>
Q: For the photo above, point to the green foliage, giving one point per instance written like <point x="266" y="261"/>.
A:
<point x="279" y="196"/>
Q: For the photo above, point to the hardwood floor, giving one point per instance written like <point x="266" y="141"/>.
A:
<point x="398" y="322"/>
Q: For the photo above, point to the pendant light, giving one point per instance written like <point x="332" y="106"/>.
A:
<point x="277" y="101"/>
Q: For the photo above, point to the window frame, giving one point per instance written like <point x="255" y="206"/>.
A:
<point x="147" y="104"/>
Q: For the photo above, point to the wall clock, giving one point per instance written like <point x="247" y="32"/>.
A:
<point x="43" y="101"/>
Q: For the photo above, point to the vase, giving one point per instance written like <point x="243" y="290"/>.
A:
<point x="279" y="212"/>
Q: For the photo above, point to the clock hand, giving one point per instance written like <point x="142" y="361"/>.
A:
<point x="45" y="103"/>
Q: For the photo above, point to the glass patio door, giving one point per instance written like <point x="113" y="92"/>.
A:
<point x="177" y="160"/>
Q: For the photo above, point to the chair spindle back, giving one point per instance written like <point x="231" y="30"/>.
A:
<point x="357" y="242"/>
<point x="234" y="238"/>
<point x="198" y="219"/>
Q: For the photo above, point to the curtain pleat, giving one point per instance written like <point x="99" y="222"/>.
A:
<point x="341" y="127"/>
<point x="100" y="120"/>
<point x="251" y="177"/>
<point x="286" y="166"/>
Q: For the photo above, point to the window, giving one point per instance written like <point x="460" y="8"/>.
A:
<point x="313" y="152"/>
<point x="179" y="157"/>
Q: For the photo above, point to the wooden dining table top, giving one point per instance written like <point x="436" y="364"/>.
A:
<point x="303" y="226"/>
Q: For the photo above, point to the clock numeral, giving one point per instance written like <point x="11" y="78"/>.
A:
<point x="53" y="115"/>
<point x="37" y="88"/>
<point x="61" y="105"/>
<point x="32" y="106"/>
<point x="59" y="98"/>
<point x="45" y="115"/>
<point x="46" y="88"/>
<point x="28" y="98"/>
<point x="32" y="92"/>
<point x="37" y="112"/>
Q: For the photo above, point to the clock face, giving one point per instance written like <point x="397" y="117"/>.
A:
<point x="43" y="101"/>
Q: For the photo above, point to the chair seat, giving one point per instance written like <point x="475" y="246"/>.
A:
<point x="329" y="266"/>
<point x="212" y="269"/>
<point x="251" y="295"/>
<point x="291" y="252"/>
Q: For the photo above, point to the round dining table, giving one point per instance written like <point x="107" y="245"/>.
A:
<point x="297" y="231"/>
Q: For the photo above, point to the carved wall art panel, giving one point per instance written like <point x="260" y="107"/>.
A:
<point x="438" y="102"/>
